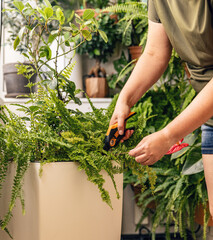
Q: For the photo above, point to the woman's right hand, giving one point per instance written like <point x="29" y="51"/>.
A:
<point x="119" y="115"/>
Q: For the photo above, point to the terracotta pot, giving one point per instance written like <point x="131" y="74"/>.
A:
<point x="199" y="216"/>
<point x="96" y="87"/>
<point x="135" y="52"/>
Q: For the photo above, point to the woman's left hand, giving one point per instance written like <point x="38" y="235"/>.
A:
<point x="151" y="148"/>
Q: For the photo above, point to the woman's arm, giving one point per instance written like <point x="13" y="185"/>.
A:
<point x="153" y="147"/>
<point x="147" y="71"/>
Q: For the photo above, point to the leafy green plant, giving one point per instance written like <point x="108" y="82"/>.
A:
<point x="49" y="131"/>
<point x="14" y="22"/>
<point x="97" y="48"/>
<point x="180" y="184"/>
<point x="133" y="22"/>
<point x="98" y="3"/>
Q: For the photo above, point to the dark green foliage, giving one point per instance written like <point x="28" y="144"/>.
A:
<point x="57" y="133"/>
<point x="97" y="3"/>
<point x="133" y="22"/>
<point x="97" y="48"/>
<point x="176" y="195"/>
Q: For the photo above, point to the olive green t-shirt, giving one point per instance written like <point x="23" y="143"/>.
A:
<point x="189" y="27"/>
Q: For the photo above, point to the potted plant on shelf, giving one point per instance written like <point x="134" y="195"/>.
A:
<point x="14" y="24"/>
<point x="15" y="83"/>
<point x="133" y="25"/>
<point x="57" y="142"/>
<point x="100" y="50"/>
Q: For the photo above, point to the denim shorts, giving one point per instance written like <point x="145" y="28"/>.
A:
<point x="207" y="139"/>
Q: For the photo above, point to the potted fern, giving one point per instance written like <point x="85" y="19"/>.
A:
<point x="63" y="146"/>
<point x="45" y="116"/>
<point x="133" y="25"/>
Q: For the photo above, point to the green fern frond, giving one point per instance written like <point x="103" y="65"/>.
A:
<point x="68" y="70"/>
<point x="129" y="7"/>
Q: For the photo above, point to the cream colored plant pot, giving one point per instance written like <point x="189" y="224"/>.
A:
<point x="63" y="205"/>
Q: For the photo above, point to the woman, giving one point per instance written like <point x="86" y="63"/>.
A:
<point x="186" y="26"/>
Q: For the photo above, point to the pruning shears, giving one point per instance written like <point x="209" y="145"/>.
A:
<point x="113" y="137"/>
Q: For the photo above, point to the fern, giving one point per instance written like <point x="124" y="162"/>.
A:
<point x="67" y="72"/>
<point x="129" y="7"/>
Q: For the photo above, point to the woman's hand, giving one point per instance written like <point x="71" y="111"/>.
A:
<point x="151" y="148"/>
<point x="120" y="114"/>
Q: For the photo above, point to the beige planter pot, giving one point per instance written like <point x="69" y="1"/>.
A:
<point x="96" y="87"/>
<point x="63" y="204"/>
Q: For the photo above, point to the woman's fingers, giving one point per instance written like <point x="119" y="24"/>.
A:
<point x="121" y="123"/>
<point x="128" y="134"/>
<point x="151" y="148"/>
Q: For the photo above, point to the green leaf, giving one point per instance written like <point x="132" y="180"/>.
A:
<point x="103" y="35"/>
<point x="48" y="3"/>
<point x="67" y="43"/>
<point x="193" y="169"/>
<point x="48" y="12"/>
<point x="74" y="27"/>
<point x="88" y="14"/>
<point x="19" y="5"/>
<point x="60" y="16"/>
<point x="193" y="162"/>
<point x="21" y="33"/>
<point x="53" y="83"/>
<point x="191" y="138"/>
<point x="78" y="21"/>
<point x="87" y="35"/>
<point x="179" y="153"/>
<point x="34" y="108"/>
<point x="66" y="36"/>
<point x="97" y="52"/>
<point x="16" y="42"/>
<point x="41" y="12"/>
<point x="28" y="10"/>
<point x="52" y="38"/>
<point x="45" y="51"/>
<point x="24" y="54"/>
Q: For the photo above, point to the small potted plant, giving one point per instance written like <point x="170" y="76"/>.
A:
<point x="14" y="25"/>
<point x="15" y="83"/>
<point x="133" y="25"/>
<point x="100" y="50"/>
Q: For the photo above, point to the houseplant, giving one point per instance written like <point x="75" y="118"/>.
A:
<point x="133" y="24"/>
<point x="180" y="187"/>
<point x="15" y="84"/>
<point x="50" y="132"/>
<point x="98" y="49"/>
<point x="14" y="24"/>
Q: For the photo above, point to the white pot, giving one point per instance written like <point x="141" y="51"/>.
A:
<point x="63" y="205"/>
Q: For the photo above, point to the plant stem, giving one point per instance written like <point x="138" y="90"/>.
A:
<point x="61" y="55"/>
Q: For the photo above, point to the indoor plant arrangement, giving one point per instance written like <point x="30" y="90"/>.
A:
<point x="49" y="131"/>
